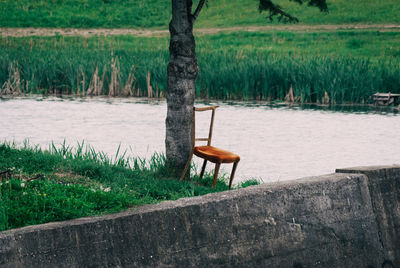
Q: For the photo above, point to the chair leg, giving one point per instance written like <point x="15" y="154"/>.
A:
<point x="217" y="165"/>
<point x="203" y="168"/>
<point x="232" y="174"/>
<point x="186" y="167"/>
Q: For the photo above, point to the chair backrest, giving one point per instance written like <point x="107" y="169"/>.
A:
<point x="202" y="109"/>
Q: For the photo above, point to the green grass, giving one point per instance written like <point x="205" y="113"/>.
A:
<point x="84" y="13"/>
<point x="38" y="186"/>
<point x="225" y="13"/>
<point x="349" y="65"/>
<point x="157" y="13"/>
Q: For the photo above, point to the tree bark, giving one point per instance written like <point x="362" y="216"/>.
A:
<point x="182" y="72"/>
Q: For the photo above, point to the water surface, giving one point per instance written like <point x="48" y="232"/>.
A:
<point x="274" y="142"/>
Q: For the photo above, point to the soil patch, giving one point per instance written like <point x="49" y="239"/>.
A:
<point x="20" y="32"/>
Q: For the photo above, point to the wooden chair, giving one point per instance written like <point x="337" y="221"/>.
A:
<point x="210" y="153"/>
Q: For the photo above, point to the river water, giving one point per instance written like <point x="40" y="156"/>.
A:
<point x="274" y="142"/>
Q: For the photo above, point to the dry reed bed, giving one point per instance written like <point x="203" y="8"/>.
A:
<point x="93" y="85"/>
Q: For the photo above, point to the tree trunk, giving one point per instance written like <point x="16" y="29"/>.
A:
<point x="182" y="72"/>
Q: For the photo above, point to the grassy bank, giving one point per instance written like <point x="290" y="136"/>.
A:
<point x="157" y="13"/>
<point x="39" y="186"/>
<point x="348" y="66"/>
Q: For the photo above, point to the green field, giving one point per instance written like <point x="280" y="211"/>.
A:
<point x="157" y="13"/>
<point x="349" y="65"/>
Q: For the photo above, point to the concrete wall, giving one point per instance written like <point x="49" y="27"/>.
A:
<point x="347" y="219"/>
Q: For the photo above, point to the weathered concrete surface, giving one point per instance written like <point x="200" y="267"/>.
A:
<point x="384" y="188"/>
<point x="337" y="220"/>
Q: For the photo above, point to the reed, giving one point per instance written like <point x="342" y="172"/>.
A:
<point x="246" y="68"/>
<point x="13" y="83"/>
<point x="313" y="79"/>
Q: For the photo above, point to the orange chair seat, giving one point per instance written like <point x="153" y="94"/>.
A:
<point x="215" y="155"/>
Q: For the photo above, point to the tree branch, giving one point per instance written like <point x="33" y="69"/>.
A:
<point x="198" y="9"/>
<point x="277" y="11"/>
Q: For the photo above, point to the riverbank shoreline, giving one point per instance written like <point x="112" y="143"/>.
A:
<point x="277" y="104"/>
<point x="66" y="182"/>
